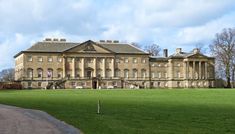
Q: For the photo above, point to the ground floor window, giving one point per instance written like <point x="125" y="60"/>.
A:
<point x="29" y="84"/>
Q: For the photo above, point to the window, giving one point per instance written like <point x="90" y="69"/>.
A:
<point x="143" y="73"/>
<point x="29" y="84"/>
<point x="40" y="59"/>
<point x="49" y="59"/>
<point x="159" y="74"/>
<point x="135" y="73"/>
<point x="117" y="73"/>
<point x="178" y="64"/>
<point x="50" y="73"/>
<point x="117" y="60"/>
<point x="153" y="75"/>
<point x="153" y="65"/>
<point x="59" y="59"/>
<point x="30" y="73"/>
<point x="143" y="60"/>
<point x="159" y="65"/>
<point x="59" y="72"/>
<point x="40" y="71"/>
<point x="178" y="74"/>
<point x="69" y="59"/>
<point x="89" y="60"/>
<point x="134" y="60"/>
<point x="108" y="73"/>
<point x="165" y="74"/>
<point x="30" y="58"/>
<point x="126" y="73"/>
<point x="126" y="60"/>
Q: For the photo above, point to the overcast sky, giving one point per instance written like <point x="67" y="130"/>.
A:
<point x="168" y="23"/>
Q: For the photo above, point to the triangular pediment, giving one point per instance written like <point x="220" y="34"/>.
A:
<point x="197" y="55"/>
<point x="89" y="47"/>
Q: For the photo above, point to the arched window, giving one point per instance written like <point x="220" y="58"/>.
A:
<point x="126" y="73"/>
<point x="59" y="72"/>
<point x="40" y="72"/>
<point x="49" y="72"/>
<point x="135" y="73"/>
<point x="143" y="73"/>
<point x="30" y="73"/>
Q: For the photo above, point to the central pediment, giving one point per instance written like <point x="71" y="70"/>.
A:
<point x="197" y="55"/>
<point x="89" y="47"/>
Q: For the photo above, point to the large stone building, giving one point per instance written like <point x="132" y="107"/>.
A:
<point x="55" y="63"/>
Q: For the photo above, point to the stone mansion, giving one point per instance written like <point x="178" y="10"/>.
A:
<point x="56" y="63"/>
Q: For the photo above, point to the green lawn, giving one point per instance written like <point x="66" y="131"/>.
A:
<point x="135" y="111"/>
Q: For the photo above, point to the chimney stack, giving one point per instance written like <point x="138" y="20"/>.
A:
<point x="178" y="50"/>
<point x="165" y="52"/>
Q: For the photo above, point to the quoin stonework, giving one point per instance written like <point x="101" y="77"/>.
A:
<point x="56" y="63"/>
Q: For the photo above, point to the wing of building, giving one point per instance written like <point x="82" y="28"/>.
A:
<point x="55" y="63"/>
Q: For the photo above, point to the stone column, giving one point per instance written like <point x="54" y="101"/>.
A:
<point x="112" y="67"/>
<point x="200" y="71"/>
<point x="64" y="67"/>
<point x="185" y="69"/>
<point x="95" y="59"/>
<point x="170" y="70"/>
<point x="104" y="68"/>
<point x="193" y="71"/>
<point x="205" y="70"/>
<point x="73" y="68"/>
<point x="82" y="68"/>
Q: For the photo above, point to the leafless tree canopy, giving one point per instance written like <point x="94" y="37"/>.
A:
<point x="153" y="49"/>
<point x="7" y="75"/>
<point x="223" y="48"/>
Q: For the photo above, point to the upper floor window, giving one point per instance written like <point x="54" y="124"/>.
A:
<point x="178" y="64"/>
<point x="153" y="75"/>
<point x="49" y="59"/>
<point x="153" y="65"/>
<point x="117" y="60"/>
<point x="89" y="60"/>
<point x="29" y="58"/>
<point x="40" y="59"/>
<point x="143" y="60"/>
<point x="126" y="60"/>
<point x="69" y="59"/>
<point x="126" y="73"/>
<point x="135" y="73"/>
<point x="59" y="59"/>
<point x="134" y="60"/>
<point x="159" y="74"/>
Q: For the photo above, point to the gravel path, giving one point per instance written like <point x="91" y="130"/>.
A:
<point x="14" y="120"/>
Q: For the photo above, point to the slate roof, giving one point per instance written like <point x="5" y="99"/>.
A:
<point x="122" y="48"/>
<point x="58" y="47"/>
<point x="51" y="46"/>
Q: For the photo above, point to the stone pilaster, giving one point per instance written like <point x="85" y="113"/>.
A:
<point x="104" y="68"/>
<point x="200" y="70"/>
<point x="64" y="66"/>
<point x="95" y="66"/>
<point x="82" y="68"/>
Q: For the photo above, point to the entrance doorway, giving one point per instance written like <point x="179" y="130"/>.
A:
<point x="94" y="84"/>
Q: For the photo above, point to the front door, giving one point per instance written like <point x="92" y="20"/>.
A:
<point x="94" y="84"/>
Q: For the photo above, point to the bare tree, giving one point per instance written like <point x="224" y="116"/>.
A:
<point x="222" y="48"/>
<point x="153" y="49"/>
<point x="7" y="74"/>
